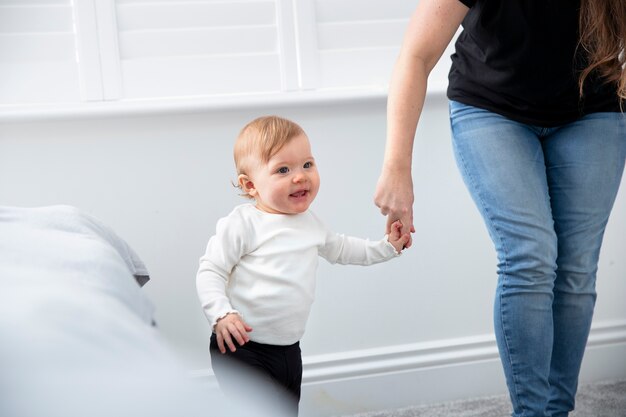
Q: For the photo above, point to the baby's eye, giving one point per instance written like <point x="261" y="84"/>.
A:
<point x="308" y="164"/>
<point x="282" y="170"/>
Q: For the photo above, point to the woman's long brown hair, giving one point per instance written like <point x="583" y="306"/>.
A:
<point x="603" y="37"/>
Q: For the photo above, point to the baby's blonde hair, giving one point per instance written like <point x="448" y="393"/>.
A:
<point x="260" y="139"/>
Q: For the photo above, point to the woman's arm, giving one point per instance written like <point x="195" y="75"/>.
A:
<point x="430" y="30"/>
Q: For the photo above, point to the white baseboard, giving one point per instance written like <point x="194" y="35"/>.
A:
<point x="431" y="372"/>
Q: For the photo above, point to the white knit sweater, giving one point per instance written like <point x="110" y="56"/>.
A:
<point x="263" y="265"/>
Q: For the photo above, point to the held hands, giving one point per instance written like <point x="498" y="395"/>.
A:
<point x="396" y="238"/>
<point x="229" y="327"/>
<point x="394" y="197"/>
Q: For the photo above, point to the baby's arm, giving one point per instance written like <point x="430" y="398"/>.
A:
<point x="349" y="250"/>
<point x="396" y="238"/>
<point x="229" y="326"/>
<point x="223" y="252"/>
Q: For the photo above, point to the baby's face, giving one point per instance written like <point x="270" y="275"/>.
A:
<point x="289" y="182"/>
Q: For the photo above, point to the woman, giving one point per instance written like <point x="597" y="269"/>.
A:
<point x="535" y="92"/>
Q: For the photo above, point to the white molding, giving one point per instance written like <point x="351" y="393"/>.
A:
<point x="402" y="358"/>
<point x="607" y="332"/>
<point x="188" y="105"/>
<point x="438" y="371"/>
<point x="139" y="107"/>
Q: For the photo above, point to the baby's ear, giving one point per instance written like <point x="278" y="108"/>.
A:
<point x="246" y="185"/>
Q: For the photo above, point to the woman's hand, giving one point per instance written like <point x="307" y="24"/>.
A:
<point x="394" y="197"/>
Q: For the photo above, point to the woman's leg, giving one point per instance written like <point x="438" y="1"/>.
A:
<point x="503" y="166"/>
<point x="584" y="162"/>
<point x="517" y="188"/>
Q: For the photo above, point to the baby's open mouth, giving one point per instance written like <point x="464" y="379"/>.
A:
<point x="301" y="193"/>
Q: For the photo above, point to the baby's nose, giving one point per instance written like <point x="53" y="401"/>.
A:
<point x="300" y="177"/>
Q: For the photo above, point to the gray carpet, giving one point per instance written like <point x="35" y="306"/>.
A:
<point x="603" y="399"/>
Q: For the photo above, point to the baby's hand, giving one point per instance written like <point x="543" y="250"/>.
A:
<point x="396" y="238"/>
<point x="231" y="325"/>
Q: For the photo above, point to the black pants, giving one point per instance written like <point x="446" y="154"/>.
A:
<point x="266" y="377"/>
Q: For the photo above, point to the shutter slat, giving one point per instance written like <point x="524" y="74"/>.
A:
<point x="327" y="11"/>
<point x="45" y="19"/>
<point x="195" y="15"/>
<point x="360" y="34"/>
<point x="202" y="76"/>
<point x="219" y="41"/>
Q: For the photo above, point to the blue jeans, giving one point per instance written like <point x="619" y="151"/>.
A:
<point x="545" y="195"/>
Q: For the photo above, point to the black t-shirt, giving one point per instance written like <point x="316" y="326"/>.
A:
<point x="520" y="58"/>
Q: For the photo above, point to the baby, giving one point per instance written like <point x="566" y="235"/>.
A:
<point x="259" y="268"/>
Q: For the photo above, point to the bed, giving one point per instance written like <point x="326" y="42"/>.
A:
<point x="77" y="333"/>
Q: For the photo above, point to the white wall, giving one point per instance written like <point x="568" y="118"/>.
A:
<point x="420" y="324"/>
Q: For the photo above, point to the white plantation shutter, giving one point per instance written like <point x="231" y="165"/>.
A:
<point x="192" y="48"/>
<point x="38" y="61"/>
<point x="358" y="43"/>
<point x="81" y="51"/>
